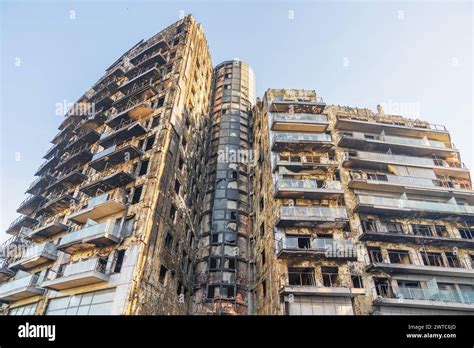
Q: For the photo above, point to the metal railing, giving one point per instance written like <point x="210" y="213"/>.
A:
<point x="314" y="212"/>
<point x="395" y="139"/>
<point x="310" y="184"/>
<point x="299" y="117"/>
<point x="20" y="283"/>
<point x="282" y="137"/>
<point x="409" y="180"/>
<point x="415" y="205"/>
<point x="418" y="161"/>
<point x="105" y="228"/>
<point x="95" y="264"/>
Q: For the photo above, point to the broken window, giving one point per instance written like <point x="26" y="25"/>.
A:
<point x="369" y="225"/>
<point x="137" y="193"/>
<point x="453" y="260"/>
<point x="382" y="287"/>
<point x="177" y="186"/>
<point x="393" y="227"/>
<point x="330" y="276"/>
<point x="466" y="233"/>
<point x="143" y="167"/>
<point x="211" y="291"/>
<point x="301" y="276"/>
<point x="119" y="256"/>
<point x="441" y="231"/>
<point x="432" y="259"/>
<point x="168" y="241"/>
<point x="173" y="212"/>
<point x="421" y="230"/>
<point x="375" y="254"/>
<point x="163" y="273"/>
<point x="357" y="281"/>
<point x="150" y="141"/>
<point x="155" y="121"/>
<point x="399" y="256"/>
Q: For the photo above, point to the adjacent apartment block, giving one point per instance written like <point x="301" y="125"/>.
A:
<point x="171" y="189"/>
<point x="358" y="212"/>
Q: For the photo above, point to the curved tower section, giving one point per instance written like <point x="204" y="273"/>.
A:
<point x="223" y="271"/>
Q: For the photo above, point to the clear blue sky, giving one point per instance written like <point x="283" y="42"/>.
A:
<point x="352" y="53"/>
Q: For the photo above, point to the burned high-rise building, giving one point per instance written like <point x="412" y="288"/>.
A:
<point x="170" y="189"/>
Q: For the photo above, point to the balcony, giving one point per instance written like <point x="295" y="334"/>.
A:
<point x="102" y="100"/>
<point x="409" y="129"/>
<point x="109" y="83"/>
<point x="299" y="284"/>
<point x="45" y="230"/>
<point x="149" y="51"/>
<point x="300" y="142"/>
<point x="57" y="203"/>
<point x="114" y="155"/>
<point x="297" y="163"/>
<point x="130" y="111"/>
<point x="299" y="122"/>
<point x="70" y="177"/>
<point x="108" y="183"/>
<point x="77" y="157"/>
<point x="380" y="142"/>
<point x="101" y="206"/>
<point x="406" y="207"/>
<point x="404" y="237"/>
<point x="307" y="189"/>
<point x="92" y="121"/>
<point x="138" y="75"/>
<point x="30" y="204"/>
<point x="375" y="160"/>
<point x="140" y="91"/>
<point x="5" y="272"/>
<point x="123" y="132"/>
<point x="410" y="263"/>
<point x="88" y="136"/>
<point x="77" y="274"/>
<point x="63" y="134"/>
<point x="101" y="234"/>
<point x="54" y="149"/>
<point x="397" y="183"/>
<point x="21" y="221"/>
<point x="316" y="248"/>
<point x="47" y="166"/>
<point x="322" y="217"/>
<point x="426" y="298"/>
<point x="35" y="256"/>
<point x="19" y="289"/>
<point x="314" y="106"/>
<point x="40" y="184"/>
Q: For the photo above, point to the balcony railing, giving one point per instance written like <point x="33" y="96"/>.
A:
<point x="403" y="160"/>
<point x="36" y="255"/>
<point x="426" y="294"/>
<point x="309" y="188"/>
<point x="101" y="206"/>
<point x="393" y="140"/>
<point x="324" y="247"/>
<point x="104" y="233"/>
<point x="299" y="122"/>
<point x="411" y="181"/>
<point x="30" y="204"/>
<point x="80" y="273"/>
<point x="21" y="288"/>
<point x="376" y="202"/>
<point x="294" y="141"/>
<point x="312" y="216"/>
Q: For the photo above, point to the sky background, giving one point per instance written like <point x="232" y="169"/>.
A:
<point x="415" y="56"/>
